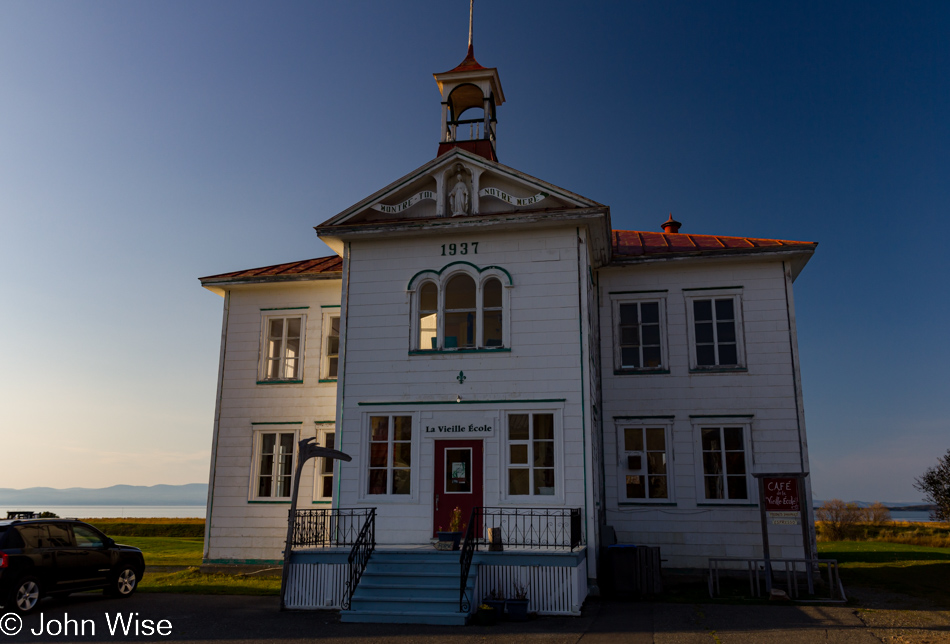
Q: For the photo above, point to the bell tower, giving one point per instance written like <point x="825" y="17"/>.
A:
<point x="470" y="95"/>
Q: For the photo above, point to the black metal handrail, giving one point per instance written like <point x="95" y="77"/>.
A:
<point x="359" y="556"/>
<point x="535" y="527"/>
<point x="328" y="527"/>
<point x="465" y="560"/>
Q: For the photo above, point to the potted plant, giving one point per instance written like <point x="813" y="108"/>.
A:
<point x="518" y="606"/>
<point x="454" y="534"/>
<point x="497" y="601"/>
<point x="486" y="615"/>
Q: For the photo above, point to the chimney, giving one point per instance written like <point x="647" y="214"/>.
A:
<point x="671" y="225"/>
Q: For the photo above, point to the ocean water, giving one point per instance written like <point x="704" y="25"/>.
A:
<point x="917" y="516"/>
<point x="114" y="511"/>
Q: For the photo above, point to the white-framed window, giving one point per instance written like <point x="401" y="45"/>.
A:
<point x="531" y="454"/>
<point x="715" y="329"/>
<point x="640" y="342"/>
<point x="273" y="464"/>
<point x="282" y="345"/>
<point x="323" y="467"/>
<point x="725" y="461"/>
<point x="331" y="346"/>
<point x="645" y="462"/>
<point x="460" y="309"/>
<point x="390" y="455"/>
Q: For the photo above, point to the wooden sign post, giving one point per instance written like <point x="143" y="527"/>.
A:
<point x="782" y="501"/>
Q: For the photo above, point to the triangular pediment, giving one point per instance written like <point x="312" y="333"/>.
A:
<point x="458" y="184"/>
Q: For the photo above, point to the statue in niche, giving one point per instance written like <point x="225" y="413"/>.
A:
<point x="458" y="197"/>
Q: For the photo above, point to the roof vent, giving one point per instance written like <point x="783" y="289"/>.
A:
<point x="671" y="225"/>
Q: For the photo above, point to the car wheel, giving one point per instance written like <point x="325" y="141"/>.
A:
<point x="124" y="582"/>
<point x="25" y="596"/>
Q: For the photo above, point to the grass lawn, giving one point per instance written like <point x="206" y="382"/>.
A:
<point x="193" y="581"/>
<point x="920" y="571"/>
<point x="167" y="551"/>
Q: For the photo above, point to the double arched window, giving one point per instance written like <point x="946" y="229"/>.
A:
<point x="461" y="309"/>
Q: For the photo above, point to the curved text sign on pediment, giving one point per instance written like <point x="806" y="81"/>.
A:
<point x="515" y="201"/>
<point x="405" y="205"/>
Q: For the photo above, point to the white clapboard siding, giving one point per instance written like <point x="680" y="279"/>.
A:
<point x="552" y="590"/>
<point x="316" y="585"/>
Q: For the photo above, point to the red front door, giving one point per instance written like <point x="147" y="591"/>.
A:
<point x="458" y="482"/>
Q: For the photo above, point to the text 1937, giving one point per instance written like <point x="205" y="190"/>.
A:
<point x="460" y="249"/>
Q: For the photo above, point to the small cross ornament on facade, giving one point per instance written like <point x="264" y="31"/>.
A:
<point x="460" y="377"/>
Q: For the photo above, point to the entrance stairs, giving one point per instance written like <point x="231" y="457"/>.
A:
<point x="410" y="587"/>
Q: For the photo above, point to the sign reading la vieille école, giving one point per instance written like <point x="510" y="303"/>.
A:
<point x="458" y="427"/>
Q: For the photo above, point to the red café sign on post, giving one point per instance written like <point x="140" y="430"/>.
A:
<point x="780" y="503"/>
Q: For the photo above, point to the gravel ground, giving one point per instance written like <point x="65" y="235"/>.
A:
<point x="899" y="619"/>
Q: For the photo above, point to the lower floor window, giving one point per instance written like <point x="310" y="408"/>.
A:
<point x="724" y="463"/>
<point x="531" y="454"/>
<point x="324" y="468"/>
<point x="390" y="455"/>
<point x="275" y="464"/>
<point x="644" y="465"/>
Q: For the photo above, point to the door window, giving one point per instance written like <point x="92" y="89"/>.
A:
<point x="458" y="470"/>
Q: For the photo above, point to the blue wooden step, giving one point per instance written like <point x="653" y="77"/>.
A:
<point x="410" y="587"/>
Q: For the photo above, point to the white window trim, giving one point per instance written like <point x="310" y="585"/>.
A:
<point x="615" y="301"/>
<point x="745" y="423"/>
<point x="712" y="294"/>
<point x="266" y="317"/>
<point x="257" y="438"/>
<point x="398" y="499"/>
<point x="318" y="463"/>
<point x="533" y="499"/>
<point x="324" y="341"/>
<point x="667" y="426"/>
<point x="440" y="280"/>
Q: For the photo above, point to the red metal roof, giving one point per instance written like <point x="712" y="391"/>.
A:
<point x="467" y="65"/>
<point x="320" y="265"/>
<point x="635" y="243"/>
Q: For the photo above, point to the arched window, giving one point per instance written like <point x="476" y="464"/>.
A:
<point x="460" y="309"/>
<point x="428" y="316"/>
<point x="492" y="312"/>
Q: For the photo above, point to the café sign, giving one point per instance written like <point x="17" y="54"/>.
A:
<point x="782" y="505"/>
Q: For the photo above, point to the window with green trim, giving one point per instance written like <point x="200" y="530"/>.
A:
<point x="725" y="465"/>
<point x="460" y="311"/>
<point x="274" y="464"/>
<point x="282" y="354"/>
<point x="715" y="330"/>
<point x="390" y="455"/>
<point x="644" y="472"/>
<point x="531" y="462"/>
<point x="331" y="347"/>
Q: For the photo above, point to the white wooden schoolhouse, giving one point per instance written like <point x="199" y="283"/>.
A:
<point x="485" y="342"/>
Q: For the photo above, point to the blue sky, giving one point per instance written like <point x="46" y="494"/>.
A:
<point x="143" y="145"/>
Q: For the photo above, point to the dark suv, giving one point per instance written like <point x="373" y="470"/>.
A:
<point x="55" y="557"/>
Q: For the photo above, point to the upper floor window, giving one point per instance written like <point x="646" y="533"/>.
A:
<point x="283" y="348"/>
<point x="464" y="309"/>
<point x="331" y="347"/>
<point x="640" y="334"/>
<point x="715" y="331"/>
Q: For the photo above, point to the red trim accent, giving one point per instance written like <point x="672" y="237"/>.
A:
<point x="480" y="147"/>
